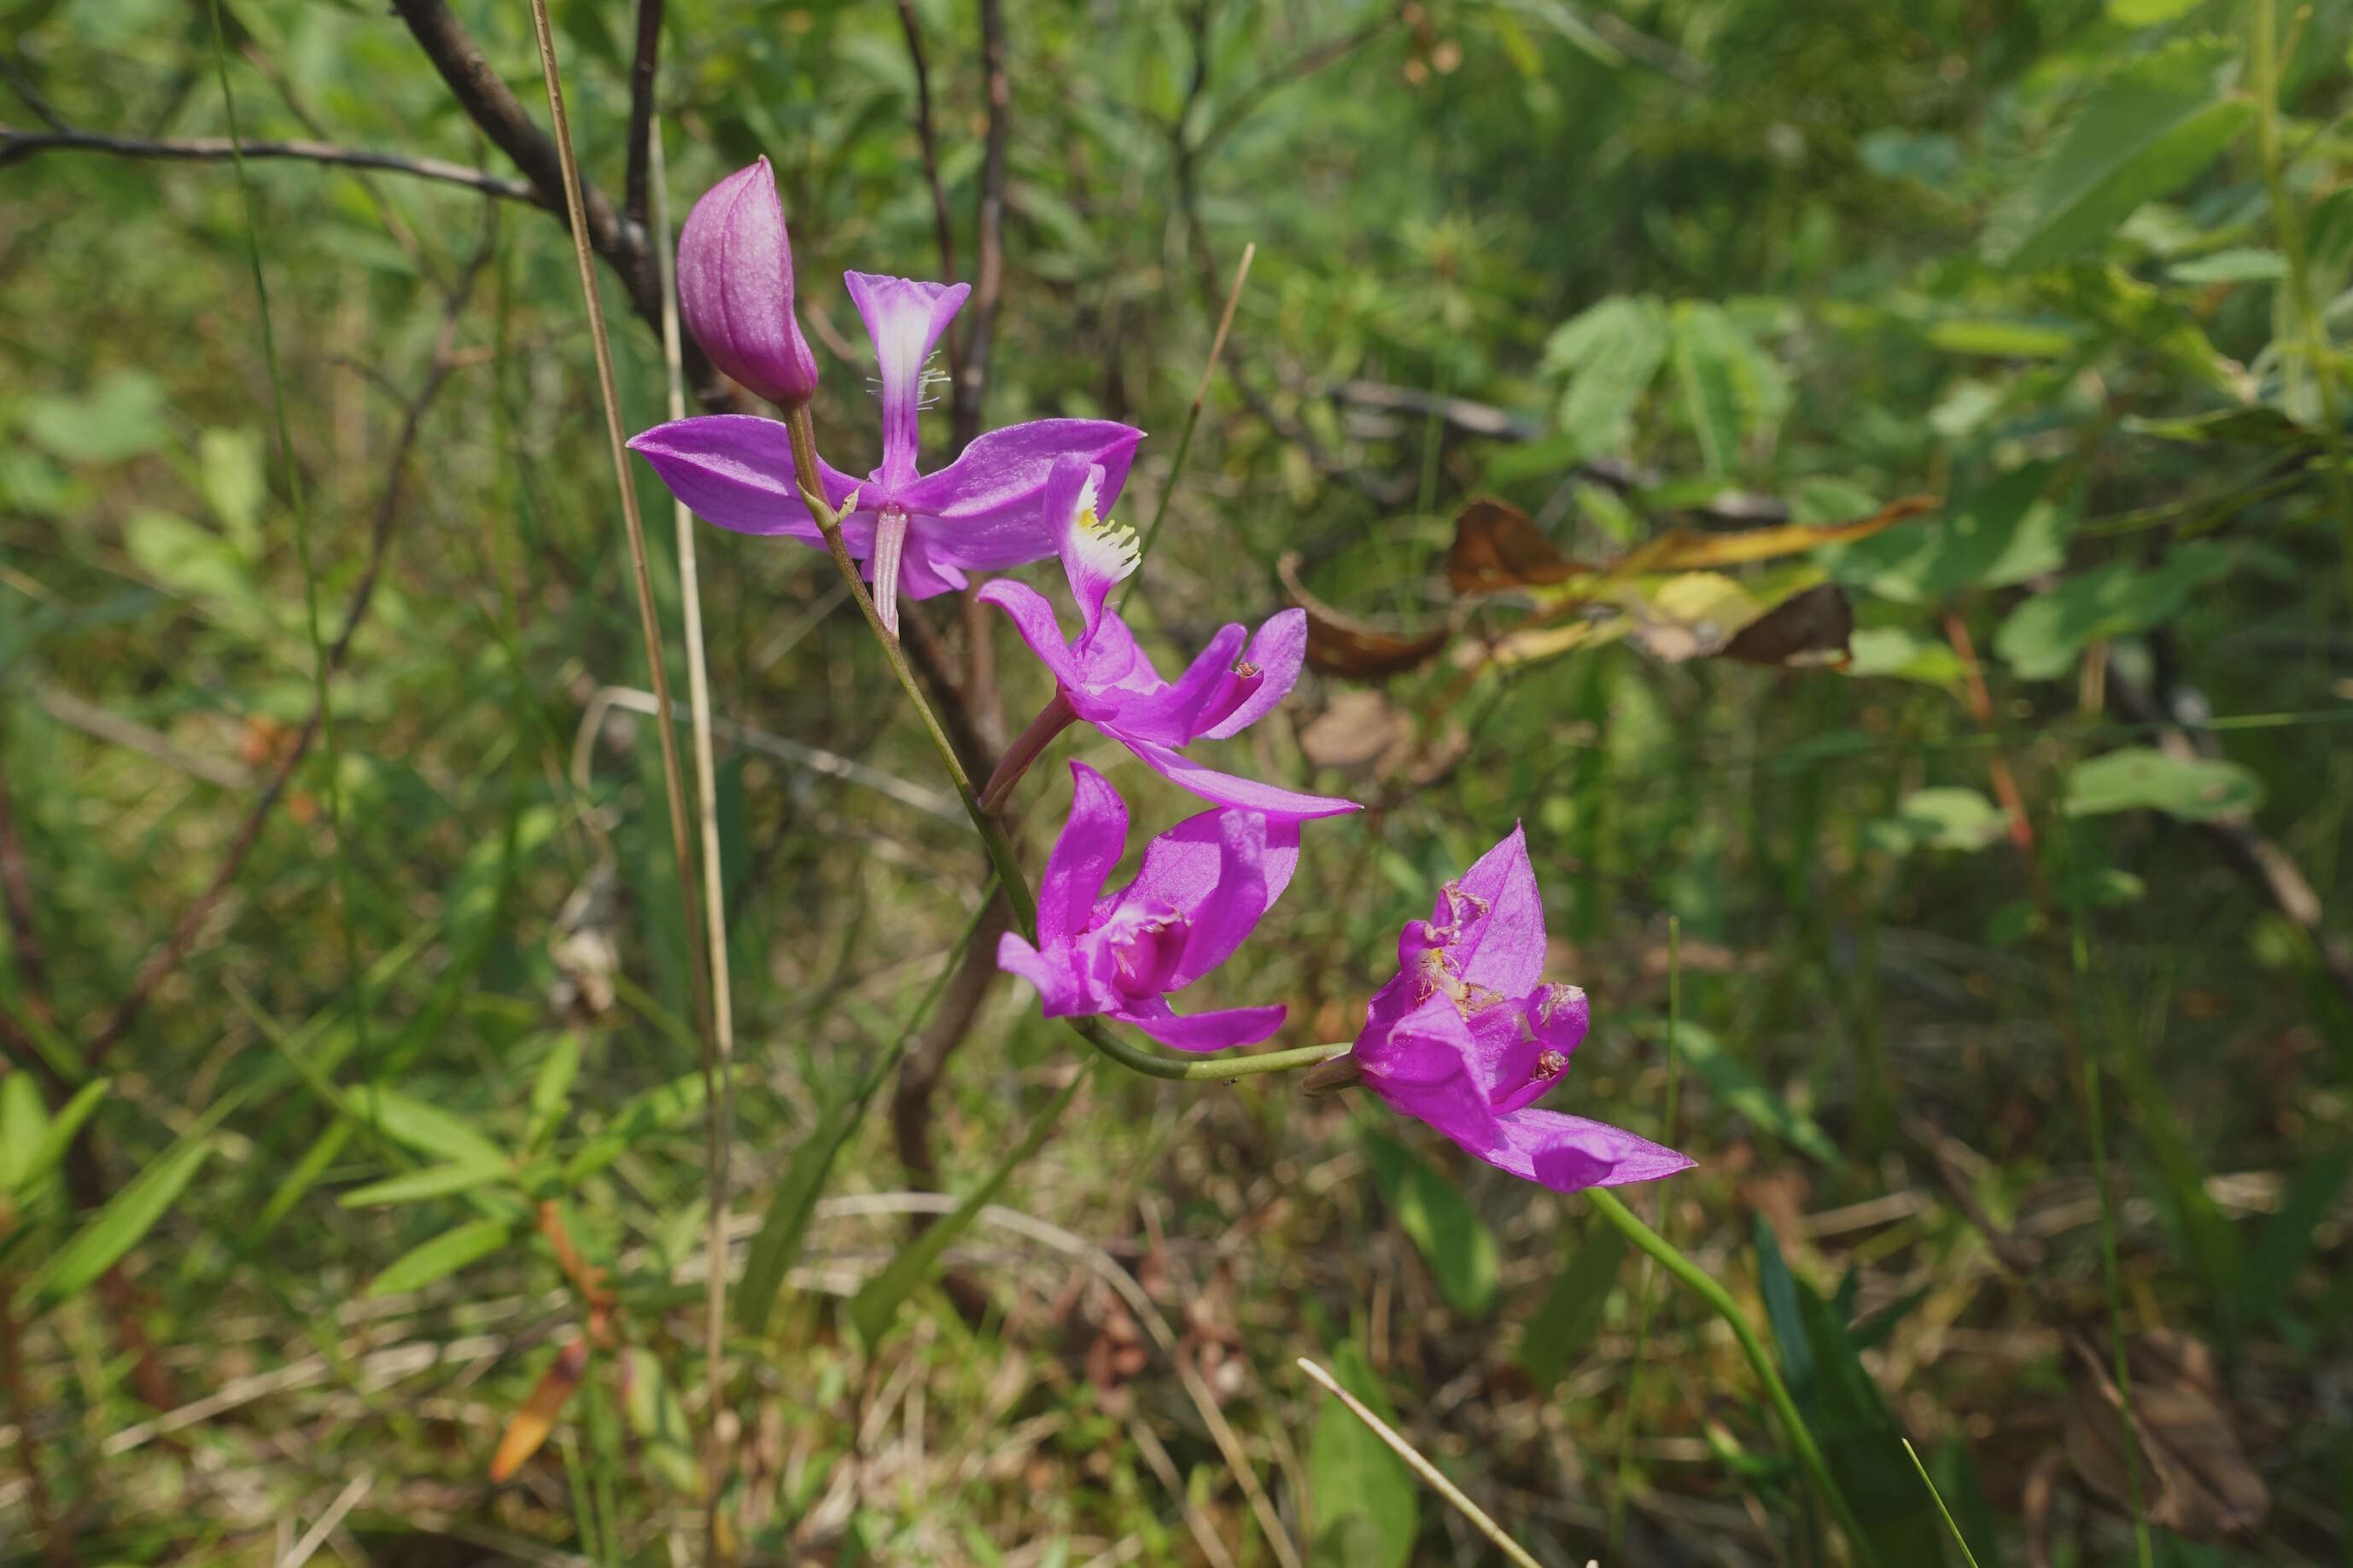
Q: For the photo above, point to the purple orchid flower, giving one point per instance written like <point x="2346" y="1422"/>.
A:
<point x="918" y="534"/>
<point x="736" y="287"/>
<point x="1467" y="1036"/>
<point x="1106" y="679"/>
<point x="1202" y="888"/>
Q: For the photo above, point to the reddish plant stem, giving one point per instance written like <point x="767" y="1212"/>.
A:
<point x="1052" y="719"/>
<point x="2005" y="787"/>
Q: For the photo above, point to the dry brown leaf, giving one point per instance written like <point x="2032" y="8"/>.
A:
<point x="1809" y="629"/>
<point x="1496" y="547"/>
<point x="536" y="1418"/>
<point x="1365" y="734"/>
<point x="2194" y="1476"/>
<point x="1338" y="643"/>
<point x="1686" y="550"/>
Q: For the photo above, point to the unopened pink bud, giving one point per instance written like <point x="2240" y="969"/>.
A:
<point x="736" y="287"/>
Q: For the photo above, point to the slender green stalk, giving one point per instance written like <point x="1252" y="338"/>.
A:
<point x="1694" y="1278"/>
<point x="1192" y="416"/>
<point x="2310" y="329"/>
<point x="1643" y="1292"/>
<point x="1430" y="1473"/>
<point x="299" y="503"/>
<point x="1001" y="857"/>
<point x="2094" y="1122"/>
<point x="1959" y="1540"/>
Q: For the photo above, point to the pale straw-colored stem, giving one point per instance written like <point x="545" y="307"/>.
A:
<point x="1429" y="1472"/>
<point x="649" y="622"/>
<point x="719" y="1099"/>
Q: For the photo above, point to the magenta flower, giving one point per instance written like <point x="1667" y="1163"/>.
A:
<point x="1467" y="1036"/>
<point x="917" y="533"/>
<point x="736" y="287"/>
<point x="1106" y="679"/>
<point x="1202" y="888"/>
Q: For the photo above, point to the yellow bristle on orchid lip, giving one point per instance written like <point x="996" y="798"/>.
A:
<point x="1108" y="548"/>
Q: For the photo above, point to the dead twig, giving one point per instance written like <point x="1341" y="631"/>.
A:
<point x="988" y="274"/>
<point x="16" y="145"/>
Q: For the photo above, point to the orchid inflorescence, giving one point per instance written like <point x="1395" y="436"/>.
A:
<point x="1465" y="1038"/>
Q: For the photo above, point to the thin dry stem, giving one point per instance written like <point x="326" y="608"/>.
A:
<point x="1423" y="1467"/>
<point x="719" y="1100"/>
<point x="650" y="624"/>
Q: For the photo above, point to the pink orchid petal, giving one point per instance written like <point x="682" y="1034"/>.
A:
<point x="1057" y="989"/>
<point x="736" y="471"/>
<point x="1199" y="1032"/>
<point x="1279" y="651"/>
<point x="1569" y="1153"/>
<point x="1171" y="715"/>
<point x="1225" y="789"/>
<point x="1033" y="617"/>
<point x="1090" y="844"/>
<point x="906" y="320"/>
<point x="1498" y="916"/>
<point x="986" y="511"/>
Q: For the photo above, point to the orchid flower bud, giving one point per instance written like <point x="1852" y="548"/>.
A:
<point x="736" y="287"/>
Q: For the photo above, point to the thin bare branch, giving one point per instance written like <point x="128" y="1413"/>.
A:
<point x="929" y="141"/>
<point x="641" y="110"/>
<point x="988" y="274"/>
<point x="18" y="144"/>
<point x="22" y="85"/>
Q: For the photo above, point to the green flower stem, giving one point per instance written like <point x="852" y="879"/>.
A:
<point x="2310" y="328"/>
<point x="1802" y="1438"/>
<point x="992" y="832"/>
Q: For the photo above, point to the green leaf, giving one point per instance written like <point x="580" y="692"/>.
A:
<point x="2042" y="637"/>
<point x="778" y="1245"/>
<point x="38" y="1158"/>
<point x="191" y="562"/>
<point x="116" y="1229"/>
<point x="2238" y="266"/>
<point x="1367" y="1511"/>
<point x="658" y="1417"/>
<point x="2149" y="13"/>
<point x="1703" y="367"/>
<point x="1944" y="817"/>
<point x="1572" y="1308"/>
<point x="2141" y="778"/>
<point x="1849" y="1416"/>
<point x="428" y="1129"/>
<point x="228" y="468"/>
<point x="1461" y="1250"/>
<point x="441" y="1256"/>
<point x="2290" y="1237"/>
<point x="2147" y="130"/>
<point x="433" y="1182"/>
<point x="1893" y="654"/>
<point x="2003" y="340"/>
<point x="2002" y="531"/>
<point x="23" y="1119"/>
<point x="122" y="416"/>
<point x="1610" y="353"/>
<point x="551" y="1090"/>
<point x="658" y="1108"/>
<point x="877" y="1301"/>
